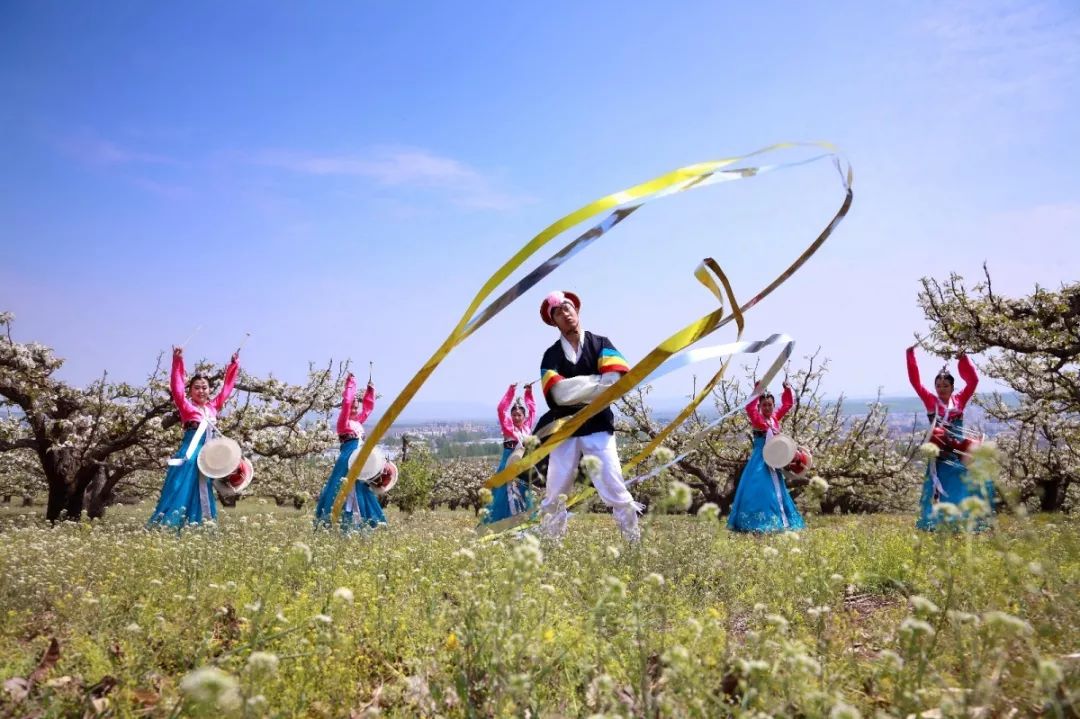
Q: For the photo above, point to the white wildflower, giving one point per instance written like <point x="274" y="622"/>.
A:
<point x="527" y="553"/>
<point x="590" y="464"/>
<point x="614" y="586"/>
<point x="343" y="594"/>
<point x="211" y="686"/>
<point x="754" y="666"/>
<point x="775" y="620"/>
<point x="844" y="711"/>
<point x="916" y="627"/>
<point x="263" y="663"/>
<point x="975" y="506"/>
<point x="985" y="451"/>
<point x="663" y="455"/>
<point x="1050" y="673"/>
<point x="807" y="664"/>
<point x="923" y="606"/>
<point x="958" y="617"/>
<point x="656" y="580"/>
<point x="676" y="655"/>
<point x="680" y="496"/>
<point x="946" y="509"/>
<point x="891" y="660"/>
<point x="301" y="551"/>
<point x="1007" y="623"/>
<point x="709" y="510"/>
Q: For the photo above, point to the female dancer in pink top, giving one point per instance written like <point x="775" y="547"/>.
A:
<point x="187" y="497"/>
<point x="947" y="478"/>
<point x="362" y="508"/>
<point x="762" y="502"/>
<point x="516" y="422"/>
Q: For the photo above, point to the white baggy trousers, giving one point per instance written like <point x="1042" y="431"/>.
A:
<point x="562" y="469"/>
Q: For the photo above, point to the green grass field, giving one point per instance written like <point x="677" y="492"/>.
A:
<point x="261" y="616"/>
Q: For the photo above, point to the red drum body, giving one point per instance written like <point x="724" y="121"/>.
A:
<point x="803" y="461"/>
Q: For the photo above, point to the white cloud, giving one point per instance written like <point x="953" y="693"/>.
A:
<point x="400" y="167"/>
<point x="94" y="150"/>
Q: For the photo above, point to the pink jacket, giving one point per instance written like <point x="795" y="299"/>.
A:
<point x="352" y="418"/>
<point x="954" y="407"/>
<point x="506" y="422"/>
<point x="760" y="422"/>
<point x="189" y="411"/>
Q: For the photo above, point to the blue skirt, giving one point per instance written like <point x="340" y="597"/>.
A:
<point x="958" y="485"/>
<point x="187" y="497"/>
<point x="369" y="511"/>
<point x="512" y="498"/>
<point x="762" y="501"/>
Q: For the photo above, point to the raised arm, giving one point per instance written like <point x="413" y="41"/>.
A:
<point x="506" y="424"/>
<point x="530" y="408"/>
<point x="348" y="397"/>
<point x="229" y="383"/>
<point x="913" y="376"/>
<point x="971" y="380"/>
<point x="367" y="405"/>
<point x="176" y="383"/>
<point x="756" y="420"/>
<point x="787" y="401"/>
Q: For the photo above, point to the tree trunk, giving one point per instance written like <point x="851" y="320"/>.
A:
<point x="1051" y="495"/>
<point x="101" y="493"/>
<point x="97" y="494"/>
<point x="57" y="502"/>
<point x="68" y="488"/>
<point x="59" y="467"/>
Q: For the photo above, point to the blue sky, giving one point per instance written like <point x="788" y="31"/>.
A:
<point x="338" y="179"/>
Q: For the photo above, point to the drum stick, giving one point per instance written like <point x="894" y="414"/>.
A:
<point x="192" y="335"/>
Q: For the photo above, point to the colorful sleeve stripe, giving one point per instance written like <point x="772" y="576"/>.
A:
<point x="549" y="378"/>
<point x="612" y="361"/>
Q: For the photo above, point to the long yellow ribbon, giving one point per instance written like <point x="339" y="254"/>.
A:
<point x="688" y="335"/>
<point x="654" y="359"/>
<point x="678" y="180"/>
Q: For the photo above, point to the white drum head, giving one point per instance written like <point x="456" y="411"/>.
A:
<point x="372" y="467"/>
<point x="779" y="450"/>
<point x="219" y="457"/>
